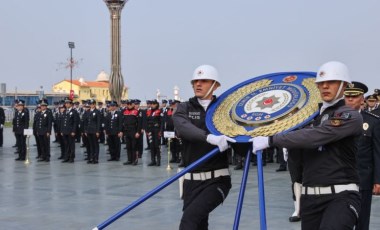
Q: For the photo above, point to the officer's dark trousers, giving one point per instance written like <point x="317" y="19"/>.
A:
<point x="21" y="145"/>
<point x="131" y="145"/>
<point x="154" y="140"/>
<point x="93" y="143"/>
<point x="61" y="142"/>
<point x="69" y="146"/>
<point x="114" y="146"/>
<point x="140" y="144"/>
<point x="200" y="198"/>
<point x="175" y="148"/>
<point x="295" y="167"/>
<point x="38" y="145"/>
<point x="44" y="143"/>
<point x="332" y="211"/>
<point x="365" y="211"/>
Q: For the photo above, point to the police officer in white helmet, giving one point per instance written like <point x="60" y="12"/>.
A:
<point x="208" y="185"/>
<point x="330" y="194"/>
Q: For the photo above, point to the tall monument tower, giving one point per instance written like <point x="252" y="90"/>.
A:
<point x="116" y="85"/>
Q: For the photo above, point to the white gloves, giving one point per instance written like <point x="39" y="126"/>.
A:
<point x="259" y="143"/>
<point x="285" y="151"/>
<point x="1" y="126"/>
<point x="220" y="141"/>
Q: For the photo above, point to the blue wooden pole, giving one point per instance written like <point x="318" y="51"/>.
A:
<point x="260" y="181"/>
<point x="156" y="190"/>
<point x="242" y="190"/>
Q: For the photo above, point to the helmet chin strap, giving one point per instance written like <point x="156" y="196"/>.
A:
<point x="339" y="90"/>
<point x="209" y="91"/>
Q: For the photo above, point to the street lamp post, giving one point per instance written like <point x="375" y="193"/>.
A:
<point x="71" y="46"/>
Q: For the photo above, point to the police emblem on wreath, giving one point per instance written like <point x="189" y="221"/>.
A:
<point x="265" y="105"/>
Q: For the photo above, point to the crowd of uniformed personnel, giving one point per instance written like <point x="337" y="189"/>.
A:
<point x="91" y="123"/>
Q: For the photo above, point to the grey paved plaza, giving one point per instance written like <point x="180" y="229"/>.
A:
<point x="57" y="195"/>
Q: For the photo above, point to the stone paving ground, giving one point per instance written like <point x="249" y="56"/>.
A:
<point x="55" y="195"/>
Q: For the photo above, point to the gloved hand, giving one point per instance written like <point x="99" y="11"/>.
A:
<point x="259" y="143"/>
<point x="1" y="126"/>
<point x="220" y="141"/>
<point x="285" y="151"/>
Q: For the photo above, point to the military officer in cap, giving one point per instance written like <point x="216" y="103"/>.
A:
<point x="330" y="178"/>
<point x="114" y="130"/>
<point x="69" y="125"/>
<point x="92" y="124"/>
<point x="43" y="130"/>
<point x="368" y="156"/>
<point x="21" y="122"/>
<point x="372" y="105"/>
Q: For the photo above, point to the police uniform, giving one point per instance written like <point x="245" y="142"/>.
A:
<point x="153" y="129"/>
<point x="21" y="122"/>
<point x="114" y="127"/>
<point x="83" y="124"/>
<point x="164" y="111"/>
<point x="92" y="131"/>
<point x="140" y="139"/>
<point x="144" y="122"/>
<point x="330" y="178"/>
<point x="37" y="112"/>
<point x="175" y="143"/>
<point x="43" y="130"/>
<point x="58" y="117"/>
<point x="132" y="129"/>
<point x="208" y="185"/>
<point x="103" y="113"/>
<point x="68" y="128"/>
<point x="368" y="157"/>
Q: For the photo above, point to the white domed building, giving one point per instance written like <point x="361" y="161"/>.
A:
<point x="83" y="90"/>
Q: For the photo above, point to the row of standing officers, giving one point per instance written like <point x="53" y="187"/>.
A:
<point x="70" y="122"/>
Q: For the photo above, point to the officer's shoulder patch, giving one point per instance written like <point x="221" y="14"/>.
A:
<point x="372" y="114"/>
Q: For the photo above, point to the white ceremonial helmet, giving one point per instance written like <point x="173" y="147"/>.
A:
<point x="333" y="71"/>
<point x="206" y="72"/>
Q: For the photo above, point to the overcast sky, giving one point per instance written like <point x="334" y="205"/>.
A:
<point x="163" y="41"/>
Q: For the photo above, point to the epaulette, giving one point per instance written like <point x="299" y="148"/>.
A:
<point x="372" y="114"/>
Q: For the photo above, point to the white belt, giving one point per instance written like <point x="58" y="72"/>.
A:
<point x="207" y="175"/>
<point x="329" y="189"/>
